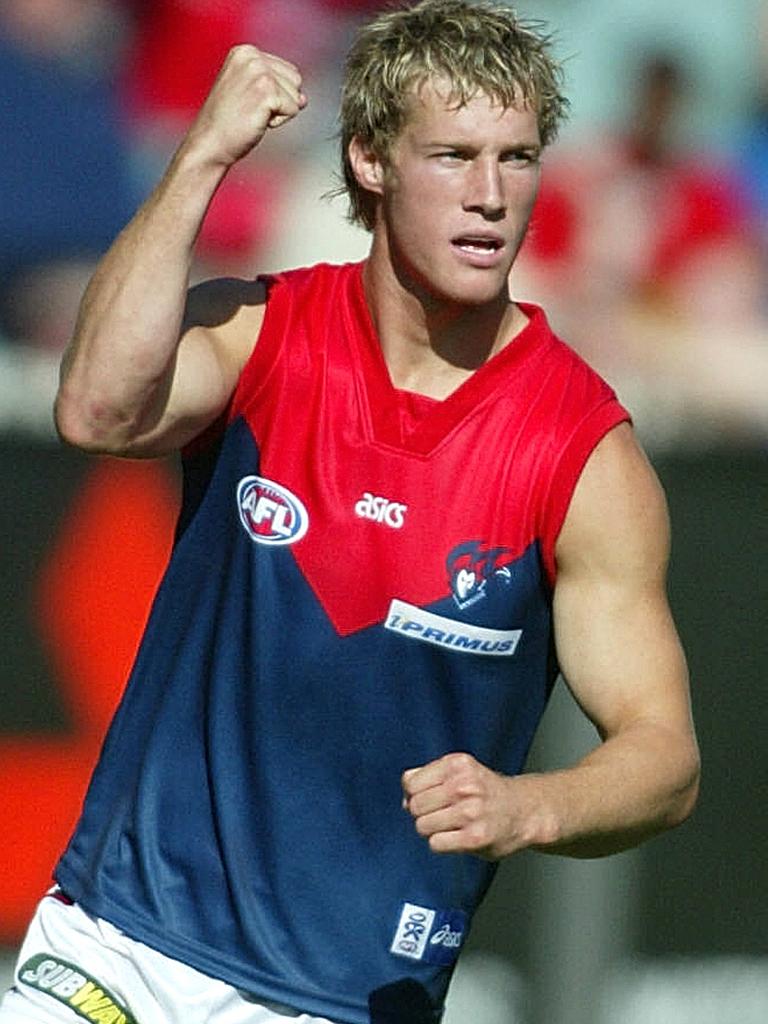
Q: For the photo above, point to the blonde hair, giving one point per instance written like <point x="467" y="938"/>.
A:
<point x="471" y="46"/>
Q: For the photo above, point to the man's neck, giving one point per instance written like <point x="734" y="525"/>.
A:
<point x="431" y="346"/>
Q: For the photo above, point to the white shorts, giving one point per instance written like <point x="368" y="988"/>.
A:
<point x="74" y="968"/>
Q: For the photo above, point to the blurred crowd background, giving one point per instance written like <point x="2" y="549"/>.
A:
<point x="649" y="250"/>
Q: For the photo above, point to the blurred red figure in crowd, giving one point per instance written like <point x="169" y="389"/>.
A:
<point x="649" y="252"/>
<point x="623" y="212"/>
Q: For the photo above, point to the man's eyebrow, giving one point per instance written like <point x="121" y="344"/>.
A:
<point x="446" y="142"/>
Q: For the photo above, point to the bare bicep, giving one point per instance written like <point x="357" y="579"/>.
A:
<point x="221" y="325"/>
<point x="616" y="639"/>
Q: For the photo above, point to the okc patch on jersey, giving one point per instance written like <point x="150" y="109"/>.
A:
<point x="74" y="988"/>
<point x="270" y="513"/>
<point x="432" y="936"/>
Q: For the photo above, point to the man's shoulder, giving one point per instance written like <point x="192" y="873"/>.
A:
<point x="216" y="299"/>
<point x="310" y="275"/>
<point x="564" y="375"/>
<point x="231" y="311"/>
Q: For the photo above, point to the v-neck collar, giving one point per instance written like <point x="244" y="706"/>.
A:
<point x="417" y="423"/>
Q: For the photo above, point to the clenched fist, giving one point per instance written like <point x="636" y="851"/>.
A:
<point x="460" y="806"/>
<point x="254" y="91"/>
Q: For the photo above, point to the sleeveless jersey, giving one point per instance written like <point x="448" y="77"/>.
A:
<point x="360" y="583"/>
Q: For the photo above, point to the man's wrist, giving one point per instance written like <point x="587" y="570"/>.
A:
<point x="542" y="825"/>
<point x="198" y="163"/>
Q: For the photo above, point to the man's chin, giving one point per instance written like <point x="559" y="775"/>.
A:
<point x="475" y="294"/>
<point x="466" y="287"/>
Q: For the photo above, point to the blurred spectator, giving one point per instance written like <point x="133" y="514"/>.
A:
<point x="643" y="249"/>
<point x="621" y="211"/>
<point x="645" y="252"/>
<point x="753" y="161"/>
<point x="752" y="147"/>
<point x="178" y="46"/>
<point x="64" y="166"/>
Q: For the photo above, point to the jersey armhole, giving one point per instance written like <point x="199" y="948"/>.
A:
<point x="589" y="432"/>
<point x="252" y="378"/>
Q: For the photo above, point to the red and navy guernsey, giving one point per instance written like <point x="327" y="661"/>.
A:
<point x="360" y="582"/>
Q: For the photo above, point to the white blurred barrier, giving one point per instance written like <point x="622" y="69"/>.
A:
<point x="486" y="989"/>
<point x="711" y="990"/>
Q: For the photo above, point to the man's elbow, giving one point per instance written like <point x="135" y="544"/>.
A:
<point x="86" y="426"/>
<point x="686" y="793"/>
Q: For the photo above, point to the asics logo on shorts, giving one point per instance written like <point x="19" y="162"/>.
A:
<point x="75" y="988"/>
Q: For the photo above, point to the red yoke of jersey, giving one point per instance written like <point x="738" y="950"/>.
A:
<point x="495" y="462"/>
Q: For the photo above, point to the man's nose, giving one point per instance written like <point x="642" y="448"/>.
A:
<point x="485" y="191"/>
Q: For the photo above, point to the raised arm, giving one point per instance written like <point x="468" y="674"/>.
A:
<point x="621" y="656"/>
<point x="149" y="366"/>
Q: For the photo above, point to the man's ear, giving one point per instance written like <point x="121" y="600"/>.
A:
<point x="366" y="166"/>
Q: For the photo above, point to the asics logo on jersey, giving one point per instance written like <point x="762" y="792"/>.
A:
<point x="381" y="510"/>
<point x="270" y="513"/>
<point x="445" y="937"/>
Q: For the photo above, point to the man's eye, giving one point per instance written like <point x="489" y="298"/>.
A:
<point x="522" y="156"/>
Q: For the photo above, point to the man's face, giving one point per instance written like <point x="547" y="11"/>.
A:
<point x="457" y="193"/>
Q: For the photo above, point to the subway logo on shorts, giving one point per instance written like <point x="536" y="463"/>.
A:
<point x="74" y="988"/>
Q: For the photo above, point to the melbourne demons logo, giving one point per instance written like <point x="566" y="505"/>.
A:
<point x="269" y="512"/>
<point x="471" y="568"/>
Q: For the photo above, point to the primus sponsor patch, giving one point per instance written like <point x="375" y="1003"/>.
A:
<point x="418" y="624"/>
<point x="433" y="936"/>
<point x="73" y="987"/>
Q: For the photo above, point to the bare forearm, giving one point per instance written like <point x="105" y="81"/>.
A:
<point x="631" y="787"/>
<point x="121" y="357"/>
<point x="636" y="784"/>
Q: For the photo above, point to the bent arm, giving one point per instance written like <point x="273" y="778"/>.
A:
<point x="621" y="657"/>
<point x="620" y="654"/>
<point x="136" y="379"/>
<point x="147" y="369"/>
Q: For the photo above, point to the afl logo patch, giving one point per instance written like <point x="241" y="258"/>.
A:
<point x="269" y="512"/>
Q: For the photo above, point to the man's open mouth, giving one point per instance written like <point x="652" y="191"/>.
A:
<point x="477" y="243"/>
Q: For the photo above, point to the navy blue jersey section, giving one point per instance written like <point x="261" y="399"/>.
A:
<point x="246" y="815"/>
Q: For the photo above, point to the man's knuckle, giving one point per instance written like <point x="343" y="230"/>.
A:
<point x="478" y="835"/>
<point x="462" y="761"/>
<point x="474" y="808"/>
<point x="422" y="827"/>
<point x="261" y="77"/>
<point x="469" y="786"/>
<point x="243" y="52"/>
<point x="437" y="843"/>
<point x="465" y="812"/>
